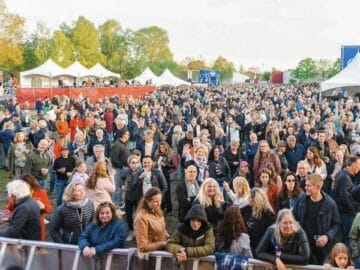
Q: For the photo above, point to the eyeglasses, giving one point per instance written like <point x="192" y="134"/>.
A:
<point x="287" y="223"/>
<point x="290" y="180"/>
<point x="134" y="162"/>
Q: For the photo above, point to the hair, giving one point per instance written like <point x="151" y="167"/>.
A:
<point x="68" y="192"/>
<point x="131" y="157"/>
<point x="259" y="153"/>
<point x="98" y="146"/>
<point x="211" y="153"/>
<point x="339" y="248"/>
<point x="261" y="202"/>
<point x="101" y="206"/>
<point x="316" y="179"/>
<point x="99" y="170"/>
<point x="351" y="160"/>
<point x="264" y="171"/>
<point x="317" y="159"/>
<point x="277" y="233"/>
<point x="18" y="188"/>
<point x="346" y="150"/>
<point x="17" y="135"/>
<point x="232" y="226"/>
<point x="143" y="203"/>
<point x="202" y="147"/>
<point x="31" y="180"/>
<point x="136" y="153"/>
<point x="297" y="189"/>
<point x="167" y="153"/>
<point x="78" y="163"/>
<point x="241" y="187"/>
<point x="206" y="200"/>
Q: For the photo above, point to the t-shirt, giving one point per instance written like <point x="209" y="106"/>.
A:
<point x="312" y="212"/>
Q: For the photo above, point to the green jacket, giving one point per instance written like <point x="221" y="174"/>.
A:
<point x="198" y="243"/>
<point x="35" y="162"/>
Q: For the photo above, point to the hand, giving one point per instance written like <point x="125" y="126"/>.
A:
<point x="40" y="204"/>
<point x="279" y="264"/>
<point x="87" y="252"/>
<point x="322" y="240"/>
<point x="181" y="255"/>
<point x="226" y="187"/>
<point x="220" y="198"/>
<point x="143" y="174"/>
<point x="44" y="171"/>
<point x="327" y="266"/>
<point x="62" y="170"/>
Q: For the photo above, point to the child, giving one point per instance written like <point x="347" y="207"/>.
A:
<point x="241" y="189"/>
<point x="339" y="257"/>
<point x="79" y="175"/>
<point x="269" y="187"/>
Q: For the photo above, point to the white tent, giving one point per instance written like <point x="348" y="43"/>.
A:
<point x="101" y="72"/>
<point x="170" y="79"/>
<point x="76" y="70"/>
<point x="146" y="76"/>
<point x="348" y="77"/>
<point x="239" y="78"/>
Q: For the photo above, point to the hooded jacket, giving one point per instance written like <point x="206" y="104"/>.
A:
<point x="198" y="243"/>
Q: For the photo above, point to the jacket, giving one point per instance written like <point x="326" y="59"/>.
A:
<point x="343" y="187"/>
<point x="354" y="237"/>
<point x="295" y="250"/>
<point x="25" y="221"/>
<point x="184" y="201"/>
<point x="104" y="239"/>
<point x="293" y="156"/>
<point x="224" y="165"/>
<point x="328" y="221"/>
<point x="157" y="180"/>
<point x="198" y="243"/>
<point x="102" y="190"/>
<point x="119" y="154"/>
<point x="69" y="221"/>
<point x="35" y="162"/>
<point x="11" y="158"/>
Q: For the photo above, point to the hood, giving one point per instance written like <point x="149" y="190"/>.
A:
<point x="196" y="211"/>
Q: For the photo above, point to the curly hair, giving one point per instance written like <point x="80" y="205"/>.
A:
<point x="260" y="203"/>
<point x="99" y="170"/>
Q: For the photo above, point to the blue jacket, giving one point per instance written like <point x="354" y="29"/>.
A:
<point x="293" y="156"/>
<point x="103" y="239"/>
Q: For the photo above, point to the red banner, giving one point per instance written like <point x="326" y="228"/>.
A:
<point x="94" y="93"/>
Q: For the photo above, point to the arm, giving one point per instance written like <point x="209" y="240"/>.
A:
<point x="265" y="250"/>
<point x="85" y="237"/>
<point x="41" y="195"/>
<point x="208" y="248"/>
<point x="354" y="237"/>
<point x="162" y="182"/>
<point x="116" y="238"/>
<point x="18" y="221"/>
<point x="174" y="243"/>
<point x="300" y="256"/>
<point x="56" y="224"/>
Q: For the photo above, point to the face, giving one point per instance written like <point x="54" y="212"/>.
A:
<point x="82" y="168"/>
<point x="147" y="164"/>
<point x="290" y="182"/>
<point x="105" y="215"/>
<point x="99" y="133"/>
<point x="200" y="154"/>
<point x="341" y="260"/>
<point x="310" y="188"/>
<point x="216" y="153"/>
<point x="43" y="145"/>
<point x="291" y="143"/>
<point x="264" y="178"/>
<point x="65" y="153"/>
<point x="191" y="173"/>
<point x="99" y="152"/>
<point x="309" y="155"/>
<point x="195" y="224"/>
<point x="264" y="147"/>
<point x="78" y="193"/>
<point x="134" y="164"/>
<point x="155" y="202"/>
<point x="21" y="137"/>
<point x="286" y="225"/>
<point x="210" y="189"/>
<point x="321" y="137"/>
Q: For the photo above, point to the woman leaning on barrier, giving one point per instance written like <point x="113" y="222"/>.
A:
<point x="285" y="242"/>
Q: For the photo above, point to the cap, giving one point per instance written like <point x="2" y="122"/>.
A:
<point x="244" y="164"/>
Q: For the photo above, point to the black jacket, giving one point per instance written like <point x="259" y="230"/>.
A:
<point x="343" y="187"/>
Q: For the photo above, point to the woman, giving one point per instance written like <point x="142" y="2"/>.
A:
<point x="240" y="196"/>
<point x="194" y="238"/>
<point x="100" y="184"/>
<point x="149" y="222"/>
<point x="231" y="234"/>
<point x="290" y="191"/>
<point x="40" y="196"/>
<point x="268" y="185"/>
<point x="280" y="152"/>
<point x="233" y="155"/>
<point x="201" y="162"/>
<point x="218" y="167"/>
<point x="104" y="233"/>
<point x="274" y="137"/>
<point x="338" y="165"/>
<point x="315" y="163"/>
<point x="79" y="174"/>
<point x="263" y="156"/>
<point x="78" y="148"/>
<point x="71" y="217"/>
<point x="340" y="258"/>
<point x="61" y="125"/>
<point x="212" y="199"/>
<point x="17" y="155"/>
<point x="163" y="157"/>
<point x="258" y="216"/>
<point x="285" y="242"/>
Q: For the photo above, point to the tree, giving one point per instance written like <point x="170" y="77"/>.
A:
<point x="306" y="69"/>
<point x="334" y="69"/>
<point x="226" y="68"/>
<point x="42" y="36"/>
<point x="266" y="75"/>
<point x="323" y="66"/>
<point x="62" y="50"/>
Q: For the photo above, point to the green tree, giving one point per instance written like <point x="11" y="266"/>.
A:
<point x="323" y="66"/>
<point x="334" y="69"/>
<point x="226" y="68"/>
<point x="266" y="75"/>
<point x="306" y="69"/>
<point x="62" y="50"/>
<point x="42" y="37"/>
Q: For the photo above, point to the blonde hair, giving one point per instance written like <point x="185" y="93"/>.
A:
<point x="241" y="187"/>
<point x="261" y="202"/>
<point x="204" y="199"/>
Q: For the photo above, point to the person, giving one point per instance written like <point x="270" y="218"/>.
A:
<point x="258" y="216"/>
<point x="348" y="207"/>
<point x="338" y="165"/>
<point x="263" y="156"/>
<point x="194" y="238"/>
<point x="316" y="164"/>
<point x="244" y="171"/>
<point x="231" y="235"/>
<point x="41" y="198"/>
<point x="63" y="167"/>
<point x="201" y="162"/>
<point x="233" y="156"/>
<point x="149" y="222"/>
<point x="62" y="126"/>
<point x="339" y="257"/>
<point x="71" y="217"/>
<point x="148" y="146"/>
<point x="25" y="220"/>
<point x="79" y="174"/>
<point x="251" y="148"/>
<point x="280" y="152"/>
<point x="241" y="193"/>
<point x="186" y="191"/>
<point x="212" y="199"/>
<point x="218" y="167"/>
<point x="104" y="233"/>
<point x="290" y="191"/>
<point x="293" y="152"/>
<point x="266" y="184"/>
<point x="7" y="136"/>
<point x="354" y="239"/>
<point x="99" y="155"/>
<point x="78" y="148"/>
<point x="318" y="215"/>
<point x="302" y="172"/>
<point x="38" y="163"/>
<point x="285" y="242"/>
<point x="101" y="139"/>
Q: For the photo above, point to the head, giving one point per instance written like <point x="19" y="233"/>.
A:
<point x="321" y="136"/>
<point x="147" y="163"/>
<point x="99" y="151"/>
<point x="124" y="134"/>
<point x="31" y="181"/>
<point x="214" y="153"/>
<point x="234" y="145"/>
<point x="241" y="187"/>
<point x="313" y="185"/>
<point x="196" y="217"/>
<point x="148" y="135"/>
<point x="43" y="145"/>
<point x="244" y="167"/>
<point x="64" y="151"/>
<point x="105" y="212"/>
<point x="208" y="192"/>
<point x="18" y="189"/>
<point x="80" y="166"/>
<point x="285" y="225"/>
<point x="264" y="147"/>
<point x="291" y="141"/>
<point x="253" y="137"/>
<point x="73" y="192"/>
<point x="201" y="153"/>
<point x="290" y="182"/>
<point x="281" y="146"/>
<point x="152" y="200"/>
<point x="259" y="202"/>
<point x="352" y="164"/>
<point x="191" y="173"/>
<point x="264" y="178"/>
<point x="302" y="168"/>
<point x="340" y="256"/>
<point x="134" y="162"/>
<point x="20" y="137"/>
<point x="313" y="155"/>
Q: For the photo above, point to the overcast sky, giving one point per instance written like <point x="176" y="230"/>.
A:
<point x="262" y="33"/>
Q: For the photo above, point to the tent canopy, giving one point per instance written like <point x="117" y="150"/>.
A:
<point x="239" y="78"/>
<point x="101" y="72"/>
<point x="76" y="70"/>
<point x="348" y="77"/>
<point x="48" y="69"/>
<point x="148" y="75"/>
<point x="168" y="77"/>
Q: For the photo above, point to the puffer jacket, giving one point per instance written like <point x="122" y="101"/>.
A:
<point x="196" y="243"/>
<point x="69" y="221"/>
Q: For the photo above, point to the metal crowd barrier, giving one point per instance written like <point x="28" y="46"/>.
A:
<point x="35" y="255"/>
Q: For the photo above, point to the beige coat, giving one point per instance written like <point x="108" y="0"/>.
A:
<point x="101" y="193"/>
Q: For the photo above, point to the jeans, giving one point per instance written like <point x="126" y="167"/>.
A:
<point x="117" y="196"/>
<point x="346" y="222"/>
<point x="60" y="187"/>
<point x="52" y="180"/>
<point x="130" y="208"/>
<point x="42" y="183"/>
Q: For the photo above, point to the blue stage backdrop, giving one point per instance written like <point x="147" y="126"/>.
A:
<point x="210" y="77"/>
<point x="348" y="52"/>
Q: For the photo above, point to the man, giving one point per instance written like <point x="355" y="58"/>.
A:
<point x="119" y="154"/>
<point x="323" y="146"/>
<point x="63" y="167"/>
<point x="318" y="215"/>
<point x="302" y="172"/>
<point x="231" y="130"/>
<point x="38" y="163"/>
<point x="99" y="139"/>
<point x="148" y="146"/>
<point x="25" y="219"/>
<point x="344" y="184"/>
<point x="293" y="153"/>
<point x="99" y="155"/>
<point x="133" y="127"/>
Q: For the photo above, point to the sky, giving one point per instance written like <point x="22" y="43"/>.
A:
<point x="251" y="33"/>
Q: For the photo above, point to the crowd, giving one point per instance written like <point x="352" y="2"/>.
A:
<point x="268" y="172"/>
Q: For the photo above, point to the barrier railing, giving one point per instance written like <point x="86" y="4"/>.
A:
<point x="46" y="255"/>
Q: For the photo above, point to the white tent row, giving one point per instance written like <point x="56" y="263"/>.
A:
<point x="348" y="77"/>
<point x="52" y="72"/>
<point x="166" y="78"/>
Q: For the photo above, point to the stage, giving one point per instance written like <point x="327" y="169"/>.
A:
<point x="94" y="93"/>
